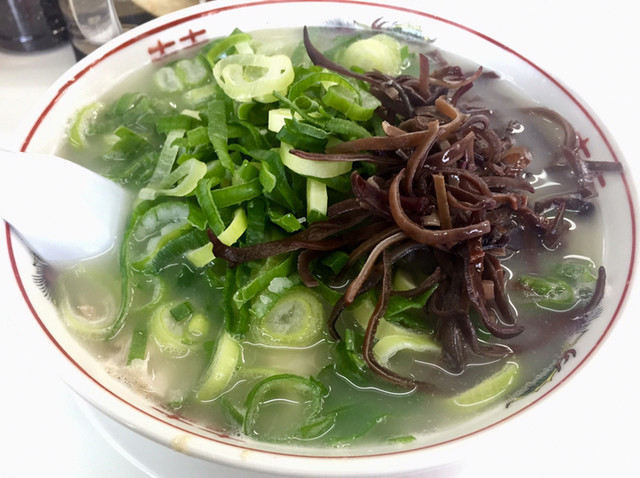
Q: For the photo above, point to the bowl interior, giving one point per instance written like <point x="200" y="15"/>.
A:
<point x="162" y="40"/>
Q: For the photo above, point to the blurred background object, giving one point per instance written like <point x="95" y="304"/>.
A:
<point x="31" y="25"/>
<point x="92" y="23"/>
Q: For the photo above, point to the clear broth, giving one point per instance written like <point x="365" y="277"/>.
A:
<point x="387" y="414"/>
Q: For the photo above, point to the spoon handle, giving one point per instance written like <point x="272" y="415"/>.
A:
<point x="63" y="211"/>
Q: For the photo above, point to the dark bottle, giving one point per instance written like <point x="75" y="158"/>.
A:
<point x="31" y="25"/>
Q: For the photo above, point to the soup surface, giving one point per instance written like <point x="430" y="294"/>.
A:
<point x="334" y="243"/>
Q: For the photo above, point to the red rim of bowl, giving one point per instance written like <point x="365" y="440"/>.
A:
<point x="214" y="10"/>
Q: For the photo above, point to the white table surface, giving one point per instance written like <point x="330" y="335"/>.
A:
<point x="46" y="431"/>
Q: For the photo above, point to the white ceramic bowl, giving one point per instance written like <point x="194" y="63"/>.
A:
<point x="164" y="37"/>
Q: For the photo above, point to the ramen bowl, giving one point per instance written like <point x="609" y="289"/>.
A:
<point x="163" y="40"/>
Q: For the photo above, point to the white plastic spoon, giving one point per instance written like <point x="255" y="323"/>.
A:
<point x="63" y="211"/>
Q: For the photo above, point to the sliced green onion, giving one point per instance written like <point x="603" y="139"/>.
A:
<point x="131" y="108"/>
<point x="244" y="173"/>
<point x="167" y="234"/>
<point x="197" y="97"/>
<point x="128" y="146"/>
<point x="399" y="304"/>
<point x="575" y="272"/>
<point x="295" y="320"/>
<point x="295" y="401"/>
<point x="181" y="182"/>
<point x="237" y="227"/>
<point x="308" y="167"/>
<point x="336" y="260"/>
<point x="166" y="80"/>
<point x="248" y="77"/>
<point x="138" y="345"/>
<point x="549" y="292"/>
<point x="218" y="133"/>
<point x="191" y="113"/>
<point x="401" y="439"/>
<point x="234" y="195"/>
<point x="273" y="160"/>
<point x="277" y="117"/>
<point x="167" y="158"/>
<point x="174" y="249"/>
<point x="179" y="122"/>
<point x="169" y="334"/>
<point x="363" y="309"/>
<point x="150" y="291"/>
<point x="380" y="52"/>
<point x="392" y="337"/>
<point x="198" y="136"/>
<point x="256" y="220"/>
<point x="191" y="72"/>
<point x="267" y="178"/>
<point x="284" y="219"/>
<point x="216" y="172"/>
<point x="221" y="369"/>
<point x="236" y="315"/>
<point x="125" y="269"/>
<point x="264" y="301"/>
<point x="159" y="219"/>
<point x="490" y="388"/>
<point x="201" y="256"/>
<point x="224" y="44"/>
<point x="244" y="111"/>
<point x="349" y="360"/>
<point x="181" y="311"/>
<point x="303" y="136"/>
<point x="90" y="311"/>
<point x="249" y="290"/>
<point x="353" y="106"/>
<point x="251" y="136"/>
<point x="318" y="427"/>
<point x="314" y="79"/>
<point x="205" y="199"/>
<point x="402" y="281"/>
<point x="346" y="128"/>
<point x="389" y="345"/>
<point x="197" y="329"/>
<point x="83" y="124"/>
<point x="317" y="200"/>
